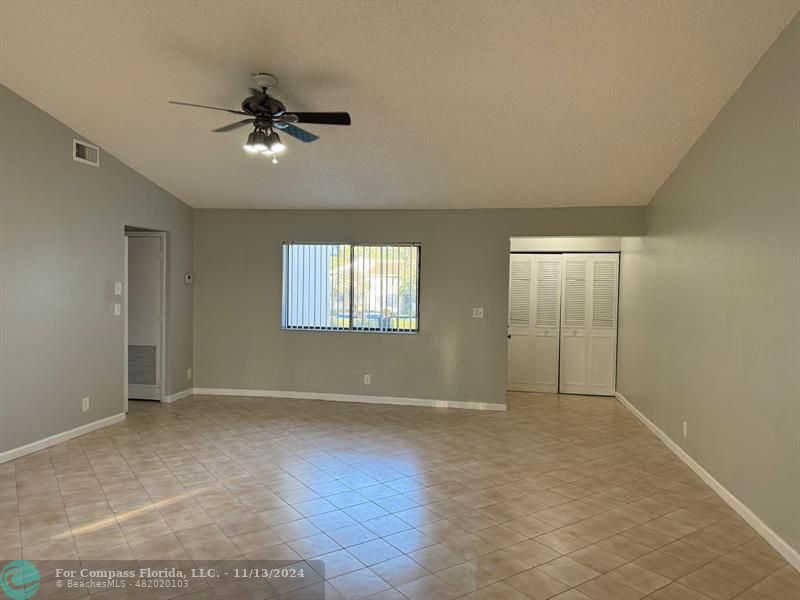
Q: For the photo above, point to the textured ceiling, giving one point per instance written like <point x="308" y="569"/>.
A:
<point x="455" y="104"/>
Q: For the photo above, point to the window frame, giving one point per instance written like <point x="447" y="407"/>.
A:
<point x="350" y="328"/>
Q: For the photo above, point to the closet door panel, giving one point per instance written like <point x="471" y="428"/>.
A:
<point x="547" y="317"/>
<point x="573" y="376"/>
<point x="603" y="332"/>
<point x="519" y="375"/>
<point x="589" y="324"/>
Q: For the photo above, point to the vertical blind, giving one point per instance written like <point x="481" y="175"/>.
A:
<point x="351" y="287"/>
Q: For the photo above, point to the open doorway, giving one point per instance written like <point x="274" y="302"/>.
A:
<point x="562" y="315"/>
<point x="145" y="314"/>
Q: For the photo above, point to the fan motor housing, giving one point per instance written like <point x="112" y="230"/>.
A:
<point x="263" y="105"/>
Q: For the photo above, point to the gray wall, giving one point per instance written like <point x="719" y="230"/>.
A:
<point x="709" y="326"/>
<point x="61" y="250"/>
<point x="239" y="343"/>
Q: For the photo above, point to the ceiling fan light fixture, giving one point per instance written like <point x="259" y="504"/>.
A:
<point x="256" y="142"/>
<point x="275" y="144"/>
<point x="261" y="140"/>
<point x="250" y="145"/>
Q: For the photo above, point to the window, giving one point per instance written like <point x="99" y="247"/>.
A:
<point x="351" y="287"/>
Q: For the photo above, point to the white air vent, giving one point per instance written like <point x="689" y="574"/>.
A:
<point x="86" y="153"/>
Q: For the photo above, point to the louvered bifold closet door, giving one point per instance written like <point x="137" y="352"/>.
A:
<point x="520" y="331"/>
<point x="602" y="366"/>
<point x="573" y="375"/>
<point x="589" y="324"/>
<point x="547" y="317"/>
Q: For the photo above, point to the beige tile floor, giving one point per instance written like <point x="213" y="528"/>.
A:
<point x="561" y="497"/>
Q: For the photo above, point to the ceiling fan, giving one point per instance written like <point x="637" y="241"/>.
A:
<point x="268" y="115"/>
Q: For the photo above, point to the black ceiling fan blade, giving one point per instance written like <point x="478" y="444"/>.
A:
<point x="300" y="134"/>
<point x="228" y="110"/>
<point x="323" y="118"/>
<point x="233" y="126"/>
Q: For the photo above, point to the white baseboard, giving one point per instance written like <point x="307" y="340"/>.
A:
<point x="178" y="395"/>
<point x="792" y="555"/>
<point x="351" y="398"/>
<point x="59" y="437"/>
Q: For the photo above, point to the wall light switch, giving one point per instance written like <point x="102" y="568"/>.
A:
<point x="477" y="312"/>
<point x="85" y="404"/>
<point x="117" y="309"/>
<point x="188" y="373"/>
<point x="118" y="288"/>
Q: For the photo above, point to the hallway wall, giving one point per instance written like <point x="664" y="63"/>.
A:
<point x="709" y="320"/>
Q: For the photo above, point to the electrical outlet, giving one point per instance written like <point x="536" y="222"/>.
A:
<point x="118" y="288"/>
<point x="85" y="404"/>
<point x="685" y="429"/>
<point x="188" y="373"/>
<point x="367" y="379"/>
<point x="477" y="312"/>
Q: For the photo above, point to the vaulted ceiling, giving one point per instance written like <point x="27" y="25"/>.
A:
<point x="469" y="103"/>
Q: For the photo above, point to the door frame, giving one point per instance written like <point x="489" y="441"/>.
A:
<point x="162" y="359"/>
